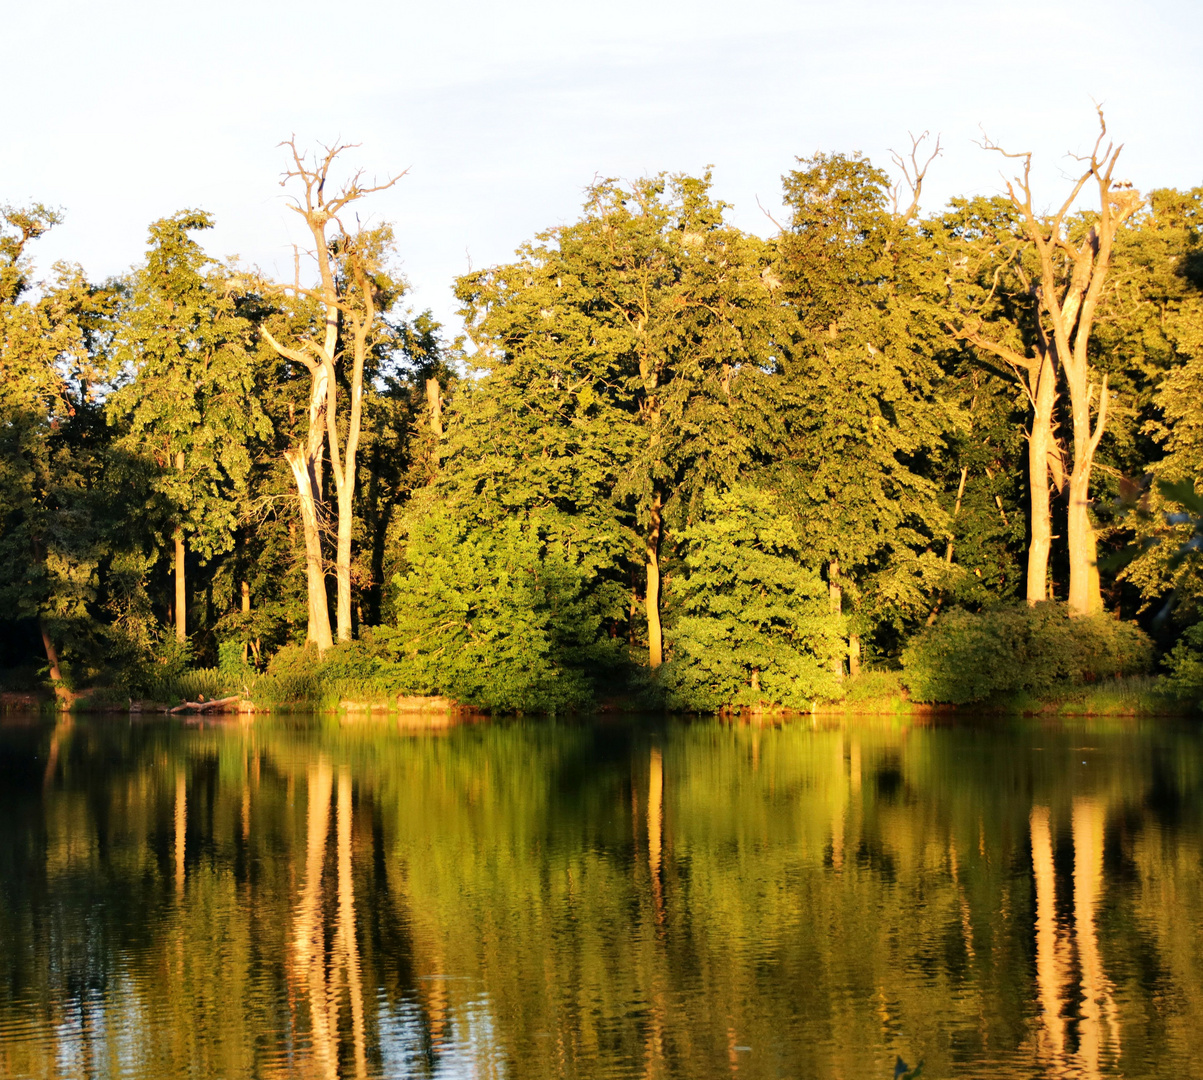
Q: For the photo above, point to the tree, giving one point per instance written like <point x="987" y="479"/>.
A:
<point x="355" y="289"/>
<point x="1157" y="334"/>
<point x="1065" y="286"/>
<point x="190" y="401"/>
<point x="646" y="321"/>
<point x="51" y="443"/>
<point x="861" y="402"/>
<point x="499" y="612"/>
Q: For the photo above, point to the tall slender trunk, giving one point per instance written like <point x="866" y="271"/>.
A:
<point x="302" y="465"/>
<point x="434" y="409"/>
<point x="655" y="636"/>
<point x="343" y="464"/>
<point x="956" y="512"/>
<point x="181" y="593"/>
<point x="342" y="559"/>
<point x="246" y="610"/>
<point x="1041" y="447"/>
<point x="1085" y="592"/>
<point x="434" y="403"/>
<point x="835" y="605"/>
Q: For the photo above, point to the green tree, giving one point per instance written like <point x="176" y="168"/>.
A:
<point x="755" y="626"/>
<point x="648" y="317"/>
<point x="498" y="614"/>
<point x="189" y="400"/>
<point x="1162" y="337"/>
<point x="52" y="443"/>
<point x="862" y="402"/>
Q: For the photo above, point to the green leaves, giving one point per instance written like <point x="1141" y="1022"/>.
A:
<point x="189" y="384"/>
<point x="1015" y="648"/>
<point x="754" y="625"/>
<point x="500" y="615"/>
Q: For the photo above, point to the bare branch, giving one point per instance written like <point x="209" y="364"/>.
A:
<point x="780" y="227"/>
<point x="913" y="173"/>
<point x="294" y="355"/>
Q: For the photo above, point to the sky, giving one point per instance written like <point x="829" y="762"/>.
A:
<point x="503" y="113"/>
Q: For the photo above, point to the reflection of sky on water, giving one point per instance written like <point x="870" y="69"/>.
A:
<point x="468" y="1053"/>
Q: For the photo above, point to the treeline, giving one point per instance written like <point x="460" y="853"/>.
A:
<point x="668" y="459"/>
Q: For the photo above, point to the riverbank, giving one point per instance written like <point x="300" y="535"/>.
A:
<point x="878" y="693"/>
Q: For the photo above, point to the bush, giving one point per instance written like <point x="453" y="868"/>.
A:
<point x="1015" y="648"/>
<point x="1185" y="665"/>
<point x="874" y="687"/>
<point x="497" y="614"/>
<point x="755" y="625"/>
<point x="154" y="669"/>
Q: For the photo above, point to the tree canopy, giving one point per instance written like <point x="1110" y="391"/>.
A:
<point x="669" y="461"/>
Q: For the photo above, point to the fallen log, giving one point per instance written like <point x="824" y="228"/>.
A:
<point x="205" y="706"/>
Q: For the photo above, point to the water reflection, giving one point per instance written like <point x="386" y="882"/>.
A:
<point x="292" y="898"/>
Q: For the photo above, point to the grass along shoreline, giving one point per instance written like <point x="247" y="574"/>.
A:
<point x="210" y="691"/>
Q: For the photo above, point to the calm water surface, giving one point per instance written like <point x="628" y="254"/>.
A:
<point x="300" y="898"/>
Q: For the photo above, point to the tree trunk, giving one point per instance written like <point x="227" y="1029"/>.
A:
<point x="61" y="692"/>
<point x="1041" y="447"/>
<point x="302" y="465"/>
<point x="181" y="598"/>
<point x="435" y="404"/>
<point x="342" y="561"/>
<point x="655" y="639"/>
<point x="956" y="512"/>
<point x="1085" y="593"/>
<point x="835" y="604"/>
<point x="246" y="610"/>
<point x="854" y="655"/>
<point x="181" y="602"/>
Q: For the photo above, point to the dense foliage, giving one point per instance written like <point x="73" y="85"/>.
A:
<point x="670" y="462"/>
<point x="1011" y="649"/>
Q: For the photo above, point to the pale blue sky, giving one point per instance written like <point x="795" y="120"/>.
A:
<point x="125" y="112"/>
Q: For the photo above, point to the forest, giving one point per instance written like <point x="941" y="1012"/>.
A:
<point x="883" y="452"/>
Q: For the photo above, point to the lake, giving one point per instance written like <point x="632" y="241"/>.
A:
<point x="303" y="897"/>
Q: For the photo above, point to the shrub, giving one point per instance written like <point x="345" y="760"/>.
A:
<point x="500" y="615"/>
<point x="878" y="687"/>
<point x="1014" y="648"/>
<point x="1185" y="665"/>
<point x="755" y="625"/>
<point x="154" y="670"/>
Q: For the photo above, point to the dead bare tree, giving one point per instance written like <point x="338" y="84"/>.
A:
<point x="353" y="289"/>
<point x="1065" y="288"/>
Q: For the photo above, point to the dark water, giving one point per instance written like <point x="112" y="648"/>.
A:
<point x="296" y="898"/>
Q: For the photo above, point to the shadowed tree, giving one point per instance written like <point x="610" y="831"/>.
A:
<point x="51" y="442"/>
<point x="190" y="402"/>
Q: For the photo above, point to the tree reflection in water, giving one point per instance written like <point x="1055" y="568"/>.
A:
<point x="296" y="898"/>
